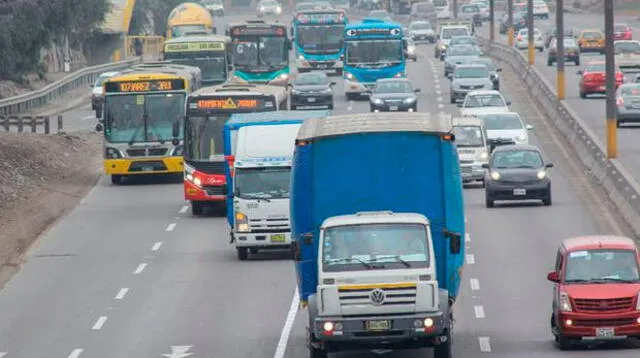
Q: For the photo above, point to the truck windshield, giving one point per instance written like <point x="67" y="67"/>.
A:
<point x="320" y="38"/>
<point x="602" y="265"/>
<point x="262" y="183"/>
<point x="374" y="52"/>
<point x="203" y="137"/>
<point x="384" y="246"/>
<point x="142" y="117"/>
<point x="468" y="136"/>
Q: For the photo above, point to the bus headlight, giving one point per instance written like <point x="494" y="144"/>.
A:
<point x="278" y="10"/>
<point x="349" y="76"/>
<point x="112" y="153"/>
<point x="177" y="151"/>
<point x="241" y="222"/>
<point x="495" y="175"/>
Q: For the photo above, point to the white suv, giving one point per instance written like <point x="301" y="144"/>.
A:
<point x="540" y="9"/>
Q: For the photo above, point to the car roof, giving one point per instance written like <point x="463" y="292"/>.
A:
<point x="598" y="241"/>
<point x="484" y="92"/>
<point x="471" y="65"/>
<point x="511" y="147"/>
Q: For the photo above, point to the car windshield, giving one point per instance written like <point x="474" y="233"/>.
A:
<point x="374" y="52"/>
<point x="600" y="67"/>
<point x="375" y="246"/>
<point x="570" y="43"/>
<point x="502" y="121"/>
<point x="464" y="50"/>
<point x="212" y="2"/>
<point x="262" y="183"/>
<point x="311" y="79"/>
<point x="469" y="9"/>
<point x="448" y="33"/>
<point x="440" y="2"/>
<point x="420" y="26"/>
<point x="142" y="117"/>
<point x="212" y="65"/>
<point x="627" y="47"/>
<point x="592" y="35"/>
<point x="269" y="3"/>
<point x="305" y="6"/>
<point x="424" y="7"/>
<point x="484" y="100"/>
<point x="378" y="14"/>
<point x="468" y="136"/>
<point x="471" y="72"/>
<point x="509" y="159"/>
<point x="393" y="87"/>
<point x="630" y="90"/>
<point x="601" y="265"/>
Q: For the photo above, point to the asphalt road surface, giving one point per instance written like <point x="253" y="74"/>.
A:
<point x="129" y="273"/>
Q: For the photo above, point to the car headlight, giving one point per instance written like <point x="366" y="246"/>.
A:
<point x="411" y="50"/>
<point x="542" y="174"/>
<point x="565" y="303"/>
<point x="522" y="138"/>
<point x="483" y="156"/>
<point x="377" y="101"/>
<point x="197" y="181"/>
<point x="241" y="222"/>
<point x="349" y="76"/>
<point x="409" y="100"/>
<point x="495" y="175"/>
<point x="327" y="91"/>
<point x="295" y="92"/>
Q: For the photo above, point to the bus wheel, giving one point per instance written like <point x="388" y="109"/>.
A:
<point x="116" y="179"/>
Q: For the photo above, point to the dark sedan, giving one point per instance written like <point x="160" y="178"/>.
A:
<point x="628" y="103"/>
<point x="517" y="172"/>
<point x="311" y="89"/>
<point x="394" y="94"/>
<point x="491" y="66"/>
<point x="571" y="52"/>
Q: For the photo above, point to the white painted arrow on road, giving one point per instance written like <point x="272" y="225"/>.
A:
<point x="178" y="352"/>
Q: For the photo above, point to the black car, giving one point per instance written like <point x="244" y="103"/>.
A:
<point x="517" y="172"/>
<point x="393" y="94"/>
<point x="311" y="89"/>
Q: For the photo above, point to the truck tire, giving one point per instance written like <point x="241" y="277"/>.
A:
<point x="314" y="352"/>
<point x="243" y="253"/>
<point x="443" y="350"/>
<point x="196" y="208"/>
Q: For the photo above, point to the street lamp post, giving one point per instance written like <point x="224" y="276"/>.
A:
<point x="455" y="8"/>
<point x="492" y="25"/>
<point x="560" y="79"/>
<point x="610" y="75"/>
<point x="510" y="21"/>
<point x="530" y="34"/>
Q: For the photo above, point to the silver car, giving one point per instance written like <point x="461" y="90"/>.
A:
<point x="628" y="103"/>
<point x="269" y="7"/>
<point x="457" y="54"/>
<point x="422" y="31"/>
<point x="506" y="125"/>
<point x="467" y="78"/>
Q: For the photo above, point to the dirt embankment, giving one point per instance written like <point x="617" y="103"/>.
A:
<point x="42" y="177"/>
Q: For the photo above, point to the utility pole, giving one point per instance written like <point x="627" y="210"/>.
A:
<point x="492" y="25"/>
<point x="610" y="75"/>
<point x="455" y="8"/>
<point x="560" y="79"/>
<point x="530" y="34"/>
<point x="510" y="21"/>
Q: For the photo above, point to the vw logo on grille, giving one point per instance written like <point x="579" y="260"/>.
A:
<point x="377" y="296"/>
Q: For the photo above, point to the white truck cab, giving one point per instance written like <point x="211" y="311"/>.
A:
<point x="262" y="171"/>
<point x="376" y="272"/>
<point x="472" y="146"/>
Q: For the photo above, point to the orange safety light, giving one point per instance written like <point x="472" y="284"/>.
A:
<point x="230" y="161"/>
<point x="447" y="137"/>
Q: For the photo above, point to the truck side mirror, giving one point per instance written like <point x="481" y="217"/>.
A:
<point x="455" y="241"/>
<point x="99" y="127"/>
<point x="308" y="238"/>
<point x="295" y="251"/>
<point x="553" y="276"/>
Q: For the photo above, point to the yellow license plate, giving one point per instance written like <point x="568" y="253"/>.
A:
<point x="378" y="325"/>
<point x="277" y="238"/>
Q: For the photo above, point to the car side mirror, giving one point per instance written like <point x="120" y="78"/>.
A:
<point x="498" y="69"/>
<point x="99" y="127"/>
<point x="450" y="76"/>
<point x="332" y="84"/>
<point x="289" y="85"/>
<point x="579" y="72"/>
<point x="485" y="166"/>
<point x="417" y="90"/>
<point x="529" y="127"/>
<point x="508" y="102"/>
<point x="548" y="165"/>
<point x="553" y="276"/>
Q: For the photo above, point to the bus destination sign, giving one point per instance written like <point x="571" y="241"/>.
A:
<point x="144" y="86"/>
<point x="324" y="18"/>
<point x="249" y="30"/>
<point x="194" y="47"/>
<point x="231" y="104"/>
<point x="374" y="31"/>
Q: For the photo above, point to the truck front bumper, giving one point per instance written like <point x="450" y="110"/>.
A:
<point x="357" y="87"/>
<point x="405" y="332"/>
<point x="275" y="240"/>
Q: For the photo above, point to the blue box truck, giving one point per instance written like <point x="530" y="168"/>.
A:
<point x="377" y="218"/>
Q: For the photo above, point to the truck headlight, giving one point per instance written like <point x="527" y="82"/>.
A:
<point x="495" y="175"/>
<point x="300" y="57"/>
<point x="410" y="50"/>
<point x="522" y="138"/>
<point x="377" y="101"/>
<point x="483" y="156"/>
<point x="278" y="10"/>
<point x="565" y="303"/>
<point x="242" y="222"/>
<point x="542" y="174"/>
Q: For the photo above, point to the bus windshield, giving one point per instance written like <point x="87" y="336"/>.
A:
<point x="320" y="38"/>
<point x="136" y="118"/>
<point x="273" y="52"/>
<point x="213" y="65"/>
<point x="373" y="52"/>
<point x="203" y="137"/>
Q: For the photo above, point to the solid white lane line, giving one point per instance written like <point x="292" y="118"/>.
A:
<point x="470" y="259"/>
<point x="474" y="283"/>
<point x="156" y="246"/>
<point x="479" y="311"/>
<point x="288" y="325"/>
<point x="485" y="345"/>
<point x="123" y="291"/>
<point x="467" y="236"/>
<point x="171" y="227"/>
<point x="99" y="323"/>
<point x="184" y="209"/>
<point x="75" y="353"/>
<point x="140" y="268"/>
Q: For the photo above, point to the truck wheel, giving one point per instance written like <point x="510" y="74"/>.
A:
<point x="243" y="253"/>
<point x="443" y="350"/>
<point x="196" y="208"/>
<point x="317" y="352"/>
<point x="489" y="202"/>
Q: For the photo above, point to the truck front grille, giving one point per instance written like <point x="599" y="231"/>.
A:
<point x="269" y="225"/>
<point x="603" y="305"/>
<point x="393" y="297"/>
<point x="614" y="322"/>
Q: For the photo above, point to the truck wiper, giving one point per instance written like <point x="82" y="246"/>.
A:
<point x="352" y="259"/>
<point x="395" y="257"/>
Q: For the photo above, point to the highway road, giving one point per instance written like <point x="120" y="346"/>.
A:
<point x="592" y="109"/>
<point x="129" y="273"/>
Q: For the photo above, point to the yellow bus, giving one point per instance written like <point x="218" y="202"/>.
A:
<point x="210" y="53"/>
<point x="188" y="17"/>
<point x="140" y="106"/>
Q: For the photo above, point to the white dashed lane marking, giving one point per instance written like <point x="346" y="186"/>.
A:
<point x="140" y="268"/>
<point x="485" y="345"/>
<point x="467" y="237"/>
<point x="440" y="105"/>
<point x="156" y="246"/>
<point x="99" y="323"/>
<point x="479" y="311"/>
<point x="475" y="284"/>
<point x="120" y="295"/>
<point x="75" y="353"/>
<point x="184" y="209"/>
<point x="171" y="227"/>
<point x="470" y="259"/>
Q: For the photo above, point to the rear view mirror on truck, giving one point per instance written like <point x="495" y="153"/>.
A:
<point x="295" y="251"/>
<point x="455" y="241"/>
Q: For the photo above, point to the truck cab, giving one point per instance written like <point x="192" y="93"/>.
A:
<point x="472" y="145"/>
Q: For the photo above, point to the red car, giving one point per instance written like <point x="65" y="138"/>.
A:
<point x="596" y="294"/>
<point x="622" y="32"/>
<point x="592" y="79"/>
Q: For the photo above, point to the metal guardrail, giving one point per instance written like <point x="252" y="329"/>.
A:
<point x="32" y="122"/>
<point x="42" y="96"/>
<point x="620" y="185"/>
